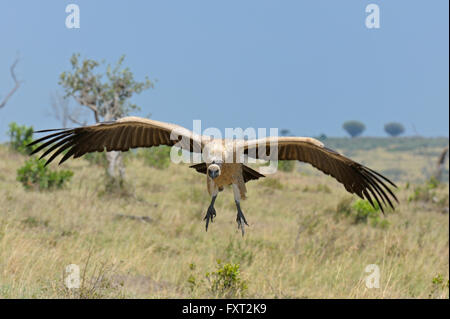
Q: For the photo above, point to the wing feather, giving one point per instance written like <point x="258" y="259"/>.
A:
<point x="120" y="135"/>
<point x="356" y="178"/>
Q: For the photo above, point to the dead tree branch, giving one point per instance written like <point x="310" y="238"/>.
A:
<point x="64" y="112"/>
<point x="16" y="82"/>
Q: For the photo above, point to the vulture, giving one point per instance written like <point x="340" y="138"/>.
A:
<point x="222" y="160"/>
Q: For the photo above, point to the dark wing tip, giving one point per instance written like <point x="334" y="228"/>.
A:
<point x="51" y="130"/>
<point x="200" y="167"/>
<point x="60" y="140"/>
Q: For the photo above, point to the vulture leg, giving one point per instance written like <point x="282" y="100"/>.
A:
<point x="240" y="218"/>
<point x="211" y="213"/>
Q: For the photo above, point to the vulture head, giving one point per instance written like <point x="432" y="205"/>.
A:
<point x="214" y="169"/>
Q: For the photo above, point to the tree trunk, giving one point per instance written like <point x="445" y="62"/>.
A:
<point x="440" y="166"/>
<point x="116" y="168"/>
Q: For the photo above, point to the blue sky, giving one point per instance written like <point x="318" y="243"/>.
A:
<point x="307" y="66"/>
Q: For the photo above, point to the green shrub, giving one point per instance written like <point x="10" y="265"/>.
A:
<point x="34" y="175"/>
<point x="361" y="211"/>
<point x="286" y="166"/>
<point x="226" y="281"/>
<point x="20" y="136"/>
<point x="425" y="193"/>
<point x="439" y="285"/>
<point x="439" y="280"/>
<point x="192" y="281"/>
<point x="158" y="157"/>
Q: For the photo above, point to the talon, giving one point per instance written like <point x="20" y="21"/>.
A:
<point x="210" y="214"/>
<point x="240" y="219"/>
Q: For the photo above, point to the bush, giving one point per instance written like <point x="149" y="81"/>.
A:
<point x="354" y="128"/>
<point x="394" y="129"/>
<point x="427" y="194"/>
<point x="361" y="211"/>
<point x="424" y="193"/>
<point x="20" y="136"/>
<point x="286" y="166"/>
<point x="439" y="286"/>
<point x="226" y="281"/>
<point x="34" y="175"/>
<point x="158" y="157"/>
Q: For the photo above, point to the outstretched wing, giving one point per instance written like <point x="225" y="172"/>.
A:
<point x="120" y="135"/>
<point x="356" y="178"/>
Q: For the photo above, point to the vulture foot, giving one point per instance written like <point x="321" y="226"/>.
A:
<point x="210" y="214"/>
<point x="240" y="219"/>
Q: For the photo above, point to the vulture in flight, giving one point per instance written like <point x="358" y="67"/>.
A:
<point x="222" y="159"/>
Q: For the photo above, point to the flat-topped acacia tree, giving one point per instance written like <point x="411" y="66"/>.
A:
<point x="394" y="129"/>
<point x="354" y="128"/>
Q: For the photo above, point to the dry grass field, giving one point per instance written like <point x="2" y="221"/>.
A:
<point x="298" y="245"/>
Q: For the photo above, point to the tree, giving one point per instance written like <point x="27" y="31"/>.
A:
<point x="354" y="128"/>
<point x="394" y="129"/>
<point x="107" y="99"/>
<point x="17" y="83"/>
<point x="64" y="112"/>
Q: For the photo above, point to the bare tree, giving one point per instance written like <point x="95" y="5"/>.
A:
<point x="17" y="83"/>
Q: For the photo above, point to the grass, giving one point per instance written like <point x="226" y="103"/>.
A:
<point x="297" y="246"/>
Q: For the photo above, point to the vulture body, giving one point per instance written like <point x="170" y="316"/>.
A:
<point x="223" y="160"/>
